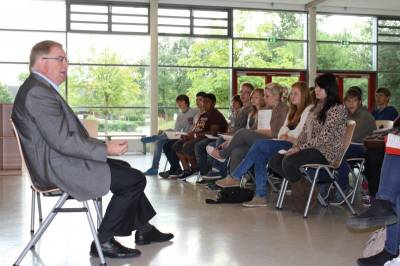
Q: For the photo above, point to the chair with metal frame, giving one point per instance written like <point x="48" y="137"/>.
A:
<point x="330" y="170"/>
<point x="37" y="189"/>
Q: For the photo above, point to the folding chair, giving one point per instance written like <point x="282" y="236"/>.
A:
<point x="37" y="189"/>
<point x="330" y="170"/>
<point x="353" y="164"/>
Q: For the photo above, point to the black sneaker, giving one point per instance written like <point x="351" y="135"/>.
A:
<point x="185" y="174"/>
<point x="165" y="174"/>
<point x="381" y="213"/>
<point x="175" y="173"/>
<point x="377" y="260"/>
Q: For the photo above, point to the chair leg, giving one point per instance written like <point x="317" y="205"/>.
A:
<point x="314" y="182"/>
<point x="98" y="206"/>
<point x="42" y="228"/>
<point x="282" y="193"/>
<point x="344" y="197"/>
<point x="39" y="204"/>
<point x="33" y="211"/>
<point x="358" y="180"/>
<point x="94" y="233"/>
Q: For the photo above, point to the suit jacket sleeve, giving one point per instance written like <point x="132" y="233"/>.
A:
<point x="59" y="128"/>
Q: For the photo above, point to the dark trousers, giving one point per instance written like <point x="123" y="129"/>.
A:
<point x="201" y="155"/>
<point x="389" y="189"/>
<point x="288" y="166"/>
<point x="171" y="156"/>
<point x="373" y="166"/>
<point x="129" y="208"/>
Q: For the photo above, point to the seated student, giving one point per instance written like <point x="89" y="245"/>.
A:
<point x="210" y="122"/>
<point x="244" y="138"/>
<point x="384" y="211"/>
<point x="319" y="142"/>
<point x="365" y="125"/>
<point x="219" y="169"/>
<point x="175" y="168"/>
<point x="183" y="123"/>
<point x="262" y="150"/>
<point x="383" y="111"/>
<point x="234" y="120"/>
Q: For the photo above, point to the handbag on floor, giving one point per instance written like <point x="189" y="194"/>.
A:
<point x="232" y="195"/>
<point x="375" y="243"/>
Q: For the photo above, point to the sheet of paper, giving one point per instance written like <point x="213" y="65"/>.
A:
<point x="264" y="119"/>
<point x="393" y="141"/>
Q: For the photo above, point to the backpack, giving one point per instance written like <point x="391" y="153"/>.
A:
<point x="232" y="195"/>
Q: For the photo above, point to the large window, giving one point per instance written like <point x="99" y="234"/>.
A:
<point x="389" y="57"/>
<point x="346" y="42"/>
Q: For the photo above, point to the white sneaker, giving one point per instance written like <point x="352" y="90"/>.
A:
<point x="393" y="262"/>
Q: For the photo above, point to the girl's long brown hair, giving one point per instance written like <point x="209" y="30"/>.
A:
<point x="294" y="111"/>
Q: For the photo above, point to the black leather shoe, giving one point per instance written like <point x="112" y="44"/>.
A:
<point x="377" y="260"/>
<point x="152" y="236"/>
<point x="113" y="249"/>
<point x="381" y="213"/>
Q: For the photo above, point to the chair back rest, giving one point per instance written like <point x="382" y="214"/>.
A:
<point x="34" y="184"/>
<point x="350" y="126"/>
<point x="91" y="126"/>
<point x="384" y="124"/>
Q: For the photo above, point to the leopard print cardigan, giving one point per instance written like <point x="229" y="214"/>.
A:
<point x="325" y="137"/>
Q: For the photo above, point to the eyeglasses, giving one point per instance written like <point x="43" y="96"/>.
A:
<point x="58" y="58"/>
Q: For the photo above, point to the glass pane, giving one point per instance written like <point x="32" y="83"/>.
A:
<point x="181" y="51"/>
<point x="360" y="82"/>
<point x="33" y="15"/>
<point x="210" y="31"/>
<point x="174" y="30"/>
<point x="189" y="81"/>
<point x="262" y="24"/>
<point x="129" y="28"/>
<point x="388" y="38"/>
<point x="89" y="8"/>
<point x="89" y="26"/>
<point x="389" y="58"/>
<point x="256" y="81"/>
<point x="174" y="21"/>
<point x="210" y="22"/>
<point x="351" y="57"/>
<point x="107" y="86"/>
<point x="12" y="76"/>
<point x="128" y="19"/>
<point x="112" y="49"/>
<point x="392" y="82"/>
<point x="87" y="17"/>
<point x="263" y="54"/>
<point x="342" y="27"/>
<point x="210" y="14"/>
<point x="130" y="10"/>
<point x="16" y="46"/>
<point x="389" y="22"/>
<point x="125" y="123"/>
<point x="286" y="82"/>
<point x="174" y="12"/>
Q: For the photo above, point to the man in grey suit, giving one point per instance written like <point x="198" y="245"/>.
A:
<point x="61" y="154"/>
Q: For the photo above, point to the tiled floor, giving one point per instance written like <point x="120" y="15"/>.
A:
<point x="204" y="234"/>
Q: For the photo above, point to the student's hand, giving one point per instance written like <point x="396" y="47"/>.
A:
<point x="116" y="147"/>
<point x="292" y="151"/>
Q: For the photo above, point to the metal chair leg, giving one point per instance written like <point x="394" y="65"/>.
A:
<point x="39" y="205"/>
<point x="98" y="207"/>
<point x="311" y="194"/>
<point x="282" y="193"/>
<point x="358" y="180"/>
<point x="94" y="233"/>
<point x="344" y="197"/>
<point x="33" y="212"/>
<point x="42" y="228"/>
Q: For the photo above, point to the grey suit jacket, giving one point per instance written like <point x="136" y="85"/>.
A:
<point x="58" y="150"/>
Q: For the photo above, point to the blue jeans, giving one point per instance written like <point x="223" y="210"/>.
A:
<point x="158" y="145"/>
<point x="354" y="151"/>
<point x="258" y="156"/>
<point x="389" y="189"/>
<point x="221" y="166"/>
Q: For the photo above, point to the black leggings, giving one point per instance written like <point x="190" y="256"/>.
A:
<point x="288" y="166"/>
